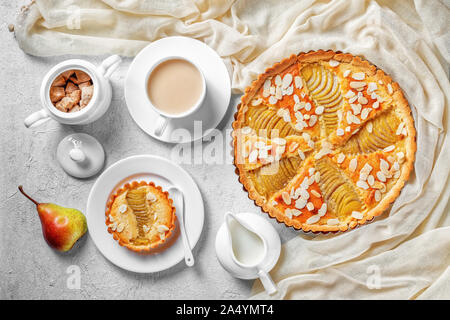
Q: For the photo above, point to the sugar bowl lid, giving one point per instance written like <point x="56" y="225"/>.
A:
<point x="80" y="155"/>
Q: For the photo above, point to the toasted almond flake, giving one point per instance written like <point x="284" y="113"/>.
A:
<point x="308" y="106"/>
<point x="278" y="80"/>
<point x="363" y="100"/>
<point x="316" y="194"/>
<point x="317" y="177"/>
<point x="340" y="132"/>
<point x="256" y="102"/>
<point x="356" y="108"/>
<point x="146" y="228"/>
<point x="288" y="213"/>
<point x="353" y="164"/>
<point x="150" y="197"/>
<point x="332" y="222"/>
<point x="289" y="90"/>
<point x="246" y="130"/>
<point x="113" y="226"/>
<point x="365" y="113"/>
<point x="120" y="227"/>
<point x="272" y="100"/>
<point x="356" y="120"/>
<point x="341" y="158"/>
<point x="353" y="99"/>
<point x="349" y="94"/>
<point x="310" y="206"/>
<point x="381" y="176"/>
<point x="279" y="141"/>
<point x="267" y="84"/>
<point x="287" y="80"/>
<point x="123" y="208"/>
<point x="300" y="203"/>
<point x="300" y="125"/>
<point x="347" y="73"/>
<point x="362" y="184"/>
<point x="400" y="128"/>
<point x="278" y="93"/>
<point x="397" y="174"/>
<point x="367" y="168"/>
<point x="363" y="176"/>
<point x="301" y="154"/>
<point x="377" y="195"/>
<point x="292" y="147"/>
<point x="323" y="210"/>
<point x="384" y="165"/>
<point x="296" y="212"/>
<point x="311" y="171"/>
<point x="111" y="218"/>
<point x="272" y="90"/>
<point x="348" y="129"/>
<point x="396" y="166"/>
<point x="298" y="82"/>
<point x="319" y="110"/>
<point x="162" y="228"/>
<point x="349" y="117"/>
<point x="286" y="197"/>
<point x="358" y="75"/>
<point x="370" y="180"/>
<point x="287" y="117"/>
<point x="372" y="86"/>
<point x="311" y="144"/>
<point x="376" y="105"/>
<point x="405" y="132"/>
<point x="313" y="219"/>
<point x="263" y="154"/>
<point x="370" y="127"/>
<point x="390" y="90"/>
<point x="253" y="156"/>
<point x="400" y="155"/>
<point x="274" y="203"/>
<point x="357" y="215"/>
<point x="304" y="194"/>
<point x="306" y="116"/>
<point x="333" y="63"/>
<point x="312" y="120"/>
<point x="389" y="148"/>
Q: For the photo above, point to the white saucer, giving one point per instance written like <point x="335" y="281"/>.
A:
<point x="218" y="88"/>
<point x="163" y="173"/>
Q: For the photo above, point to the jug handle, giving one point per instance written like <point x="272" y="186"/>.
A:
<point x="34" y="117"/>
<point x="267" y="282"/>
<point x="109" y="65"/>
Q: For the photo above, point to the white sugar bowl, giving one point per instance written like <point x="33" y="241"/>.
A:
<point x="99" y="102"/>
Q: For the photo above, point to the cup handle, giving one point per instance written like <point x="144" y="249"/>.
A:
<point x="109" y="65"/>
<point x="161" y="125"/>
<point x="32" y="118"/>
<point x="267" y="282"/>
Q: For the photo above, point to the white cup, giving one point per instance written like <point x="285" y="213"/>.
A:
<point x="99" y="102"/>
<point x="165" y="117"/>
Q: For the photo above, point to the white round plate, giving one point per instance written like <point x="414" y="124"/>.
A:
<point x="218" y="89"/>
<point x="163" y="173"/>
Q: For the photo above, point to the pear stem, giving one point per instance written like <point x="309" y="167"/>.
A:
<point x="26" y="195"/>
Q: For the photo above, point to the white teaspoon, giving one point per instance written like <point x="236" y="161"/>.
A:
<point x="188" y="257"/>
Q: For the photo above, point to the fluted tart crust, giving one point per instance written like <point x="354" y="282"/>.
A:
<point x="323" y="141"/>
<point x="140" y="216"/>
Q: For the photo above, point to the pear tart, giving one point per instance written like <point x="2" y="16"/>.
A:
<point x="140" y="216"/>
<point x="323" y="141"/>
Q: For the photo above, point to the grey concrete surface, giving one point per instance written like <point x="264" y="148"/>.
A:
<point x="29" y="269"/>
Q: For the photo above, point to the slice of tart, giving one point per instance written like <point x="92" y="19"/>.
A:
<point x="140" y="216"/>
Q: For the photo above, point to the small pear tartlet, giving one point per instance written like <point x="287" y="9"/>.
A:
<point x="140" y="216"/>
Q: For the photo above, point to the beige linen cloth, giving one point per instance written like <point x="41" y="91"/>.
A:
<point x="405" y="253"/>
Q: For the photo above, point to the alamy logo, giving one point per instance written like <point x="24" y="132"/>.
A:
<point x="74" y="279"/>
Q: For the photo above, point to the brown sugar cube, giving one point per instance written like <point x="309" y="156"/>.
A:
<point x="75" y="96"/>
<point x="84" y="84"/>
<point x="67" y="74"/>
<point x="59" y="81"/>
<point x="56" y="94"/>
<point x="69" y="101"/>
<point x="75" y="108"/>
<point x="82" y="76"/>
<point x="74" y="80"/>
<point x="70" y="87"/>
<point x="86" y="95"/>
